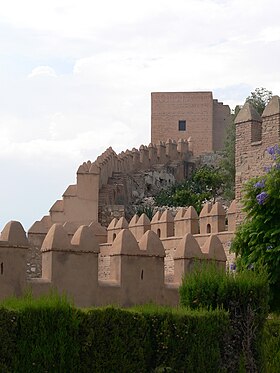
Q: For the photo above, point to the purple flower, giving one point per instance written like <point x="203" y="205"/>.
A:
<point x="270" y="150"/>
<point x="232" y="267"/>
<point x="273" y="151"/>
<point x="260" y="184"/>
<point x="261" y="198"/>
<point x="267" y="168"/>
<point x="269" y="247"/>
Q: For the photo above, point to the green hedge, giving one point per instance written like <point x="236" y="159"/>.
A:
<point x="49" y="335"/>
<point x="113" y="340"/>
<point x="44" y="334"/>
<point x="271" y="346"/>
<point x="8" y="339"/>
<point x="245" y="296"/>
<point x="186" y="341"/>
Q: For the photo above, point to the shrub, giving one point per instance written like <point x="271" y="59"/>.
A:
<point x="271" y="346"/>
<point x="185" y="341"/>
<point x="205" y="184"/>
<point x="46" y="334"/>
<point x="113" y="339"/>
<point x="244" y="295"/>
<point x="49" y="335"/>
<point x="8" y="337"/>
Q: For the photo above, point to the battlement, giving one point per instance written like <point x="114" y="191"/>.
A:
<point x="80" y="201"/>
<point x="143" y="158"/>
<point x="189" y="114"/>
<point x="212" y="219"/>
<point x="130" y="268"/>
<point x="254" y="134"/>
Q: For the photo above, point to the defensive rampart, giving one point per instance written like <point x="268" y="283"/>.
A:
<point x="140" y="262"/>
<point x="254" y="134"/>
<point x="79" y="202"/>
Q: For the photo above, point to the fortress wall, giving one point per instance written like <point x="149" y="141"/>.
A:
<point x="254" y="134"/>
<point x="205" y="119"/>
<point x="140" y="159"/>
<point x="70" y="264"/>
<point x="221" y="120"/>
<point x="80" y="202"/>
<point x="212" y="220"/>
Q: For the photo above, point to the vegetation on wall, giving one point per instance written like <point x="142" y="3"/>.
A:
<point x="259" y="99"/>
<point x="257" y="240"/>
<point x="205" y="184"/>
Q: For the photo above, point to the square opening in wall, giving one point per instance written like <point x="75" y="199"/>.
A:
<point x="182" y="125"/>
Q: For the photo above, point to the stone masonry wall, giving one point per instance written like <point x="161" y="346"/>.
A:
<point x="206" y="119"/>
<point x="254" y="134"/>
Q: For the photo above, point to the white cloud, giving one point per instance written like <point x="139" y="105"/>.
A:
<point x="42" y="71"/>
<point x="91" y="67"/>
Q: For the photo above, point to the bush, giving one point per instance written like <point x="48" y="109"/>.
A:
<point x="49" y="335"/>
<point x="185" y="341"/>
<point x="46" y="334"/>
<point x="113" y="340"/>
<point x="244" y="295"/>
<point x="271" y="346"/>
<point x="205" y="184"/>
<point x="8" y="337"/>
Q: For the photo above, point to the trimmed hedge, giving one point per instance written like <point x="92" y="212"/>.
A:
<point x="112" y="340"/>
<point x="186" y="341"/>
<point x="8" y="339"/>
<point x="245" y="296"/>
<point x="44" y="334"/>
<point x="49" y="335"/>
<point x="271" y="346"/>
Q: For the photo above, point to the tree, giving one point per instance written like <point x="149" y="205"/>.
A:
<point x="257" y="240"/>
<point x="259" y="99"/>
<point x="205" y="184"/>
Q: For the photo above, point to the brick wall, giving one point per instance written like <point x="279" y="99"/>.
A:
<point x="205" y="119"/>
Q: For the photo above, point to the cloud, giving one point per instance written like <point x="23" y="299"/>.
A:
<point x="77" y="76"/>
<point x="42" y="71"/>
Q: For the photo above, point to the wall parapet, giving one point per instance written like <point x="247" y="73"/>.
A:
<point x="71" y="263"/>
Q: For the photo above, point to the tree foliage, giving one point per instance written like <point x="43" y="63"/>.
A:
<point x="205" y="184"/>
<point x="259" y="99"/>
<point x="257" y="241"/>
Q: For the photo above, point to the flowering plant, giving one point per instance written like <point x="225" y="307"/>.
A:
<point x="257" y="240"/>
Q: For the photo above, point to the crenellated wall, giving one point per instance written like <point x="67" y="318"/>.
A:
<point x="130" y="268"/>
<point x="254" y="134"/>
<point x="79" y="203"/>
<point x="194" y="115"/>
<point x="143" y="159"/>
<point x="213" y="219"/>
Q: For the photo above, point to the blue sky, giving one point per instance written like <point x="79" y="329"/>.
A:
<point x="76" y="77"/>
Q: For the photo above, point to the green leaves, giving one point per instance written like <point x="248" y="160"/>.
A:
<point x="205" y="184"/>
<point x="259" y="99"/>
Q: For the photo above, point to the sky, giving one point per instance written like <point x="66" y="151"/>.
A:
<point x="76" y="77"/>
